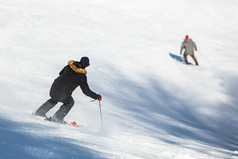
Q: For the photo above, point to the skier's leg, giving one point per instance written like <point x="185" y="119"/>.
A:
<point x="63" y="111"/>
<point x="194" y="59"/>
<point x="49" y="104"/>
<point x="185" y="58"/>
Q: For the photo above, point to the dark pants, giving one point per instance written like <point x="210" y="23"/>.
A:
<point x="61" y="113"/>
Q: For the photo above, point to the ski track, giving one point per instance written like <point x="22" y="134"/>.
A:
<point x="153" y="107"/>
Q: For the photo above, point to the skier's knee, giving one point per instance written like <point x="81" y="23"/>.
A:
<point x="52" y="102"/>
<point x="71" y="103"/>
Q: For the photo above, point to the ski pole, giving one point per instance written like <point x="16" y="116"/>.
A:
<point x="100" y="108"/>
<point x="100" y="111"/>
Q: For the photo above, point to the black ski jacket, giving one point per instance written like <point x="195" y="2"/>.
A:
<point x="72" y="76"/>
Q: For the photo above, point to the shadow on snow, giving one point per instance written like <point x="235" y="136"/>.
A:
<point x="148" y="104"/>
<point x="18" y="144"/>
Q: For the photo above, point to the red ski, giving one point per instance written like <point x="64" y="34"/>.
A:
<point x="73" y="123"/>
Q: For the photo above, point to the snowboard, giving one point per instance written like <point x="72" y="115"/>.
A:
<point x="179" y="59"/>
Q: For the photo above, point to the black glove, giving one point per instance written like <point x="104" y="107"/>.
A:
<point x="99" y="97"/>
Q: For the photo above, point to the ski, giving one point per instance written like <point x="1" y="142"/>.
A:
<point x="73" y="123"/>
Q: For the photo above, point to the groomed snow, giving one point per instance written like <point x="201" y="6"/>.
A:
<point x="153" y="107"/>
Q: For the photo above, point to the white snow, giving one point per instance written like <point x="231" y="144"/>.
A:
<point x="153" y="107"/>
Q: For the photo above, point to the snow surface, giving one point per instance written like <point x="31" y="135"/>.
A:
<point x="153" y="107"/>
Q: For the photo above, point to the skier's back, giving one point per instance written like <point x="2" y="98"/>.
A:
<point x="72" y="76"/>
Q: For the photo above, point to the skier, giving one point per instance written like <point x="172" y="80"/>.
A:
<point x="189" y="46"/>
<point x="72" y="76"/>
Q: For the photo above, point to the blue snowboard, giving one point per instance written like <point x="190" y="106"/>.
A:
<point x="178" y="58"/>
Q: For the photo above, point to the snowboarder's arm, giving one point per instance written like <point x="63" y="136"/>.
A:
<point x="194" y="45"/>
<point x="182" y="47"/>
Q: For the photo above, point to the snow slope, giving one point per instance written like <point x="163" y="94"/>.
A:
<point x="153" y="107"/>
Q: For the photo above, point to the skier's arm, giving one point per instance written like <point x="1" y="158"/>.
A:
<point x="86" y="90"/>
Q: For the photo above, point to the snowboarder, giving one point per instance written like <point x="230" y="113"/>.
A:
<point x="189" y="46"/>
<point x="72" y="76"/>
